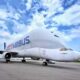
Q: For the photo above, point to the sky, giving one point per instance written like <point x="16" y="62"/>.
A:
<point x="17" y="17"/>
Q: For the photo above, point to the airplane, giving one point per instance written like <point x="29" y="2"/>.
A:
<point x="40" y="43"/>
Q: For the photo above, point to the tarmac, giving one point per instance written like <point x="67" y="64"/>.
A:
<point x="33" y="70"/>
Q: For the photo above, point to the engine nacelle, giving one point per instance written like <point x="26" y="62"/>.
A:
<point x="6" y="55"/>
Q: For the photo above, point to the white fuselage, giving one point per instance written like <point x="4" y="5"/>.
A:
<point x="51" y="54"/>
<point x="43" y="44"/>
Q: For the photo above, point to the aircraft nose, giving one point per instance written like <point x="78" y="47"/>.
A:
<point x="77" y="55"/>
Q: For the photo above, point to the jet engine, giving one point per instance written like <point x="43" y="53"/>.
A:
<point x="7" y="55"/>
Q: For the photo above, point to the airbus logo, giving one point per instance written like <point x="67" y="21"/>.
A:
<point x="19" y="43"/>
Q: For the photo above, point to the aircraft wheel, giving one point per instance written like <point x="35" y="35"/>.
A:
<point x="23" y="61"/>
<point x="7" y="60"/>
<point x="45" y="64"/>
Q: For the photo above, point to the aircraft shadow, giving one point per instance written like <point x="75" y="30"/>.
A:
<point x="40" y="65"/>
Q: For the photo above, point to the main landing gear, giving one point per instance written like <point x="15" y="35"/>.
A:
<point x="45" y="63"/>
<point x="7" y="60"/>
<point x="23" y="60"/>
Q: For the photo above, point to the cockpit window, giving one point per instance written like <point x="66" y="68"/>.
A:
<point x="65" y="49"/>
<point x="54" y="34"/>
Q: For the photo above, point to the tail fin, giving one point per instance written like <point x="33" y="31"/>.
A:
<point x="4" y="45"/>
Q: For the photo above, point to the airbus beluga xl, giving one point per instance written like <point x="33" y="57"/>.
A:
<point x="40" y="43"/>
